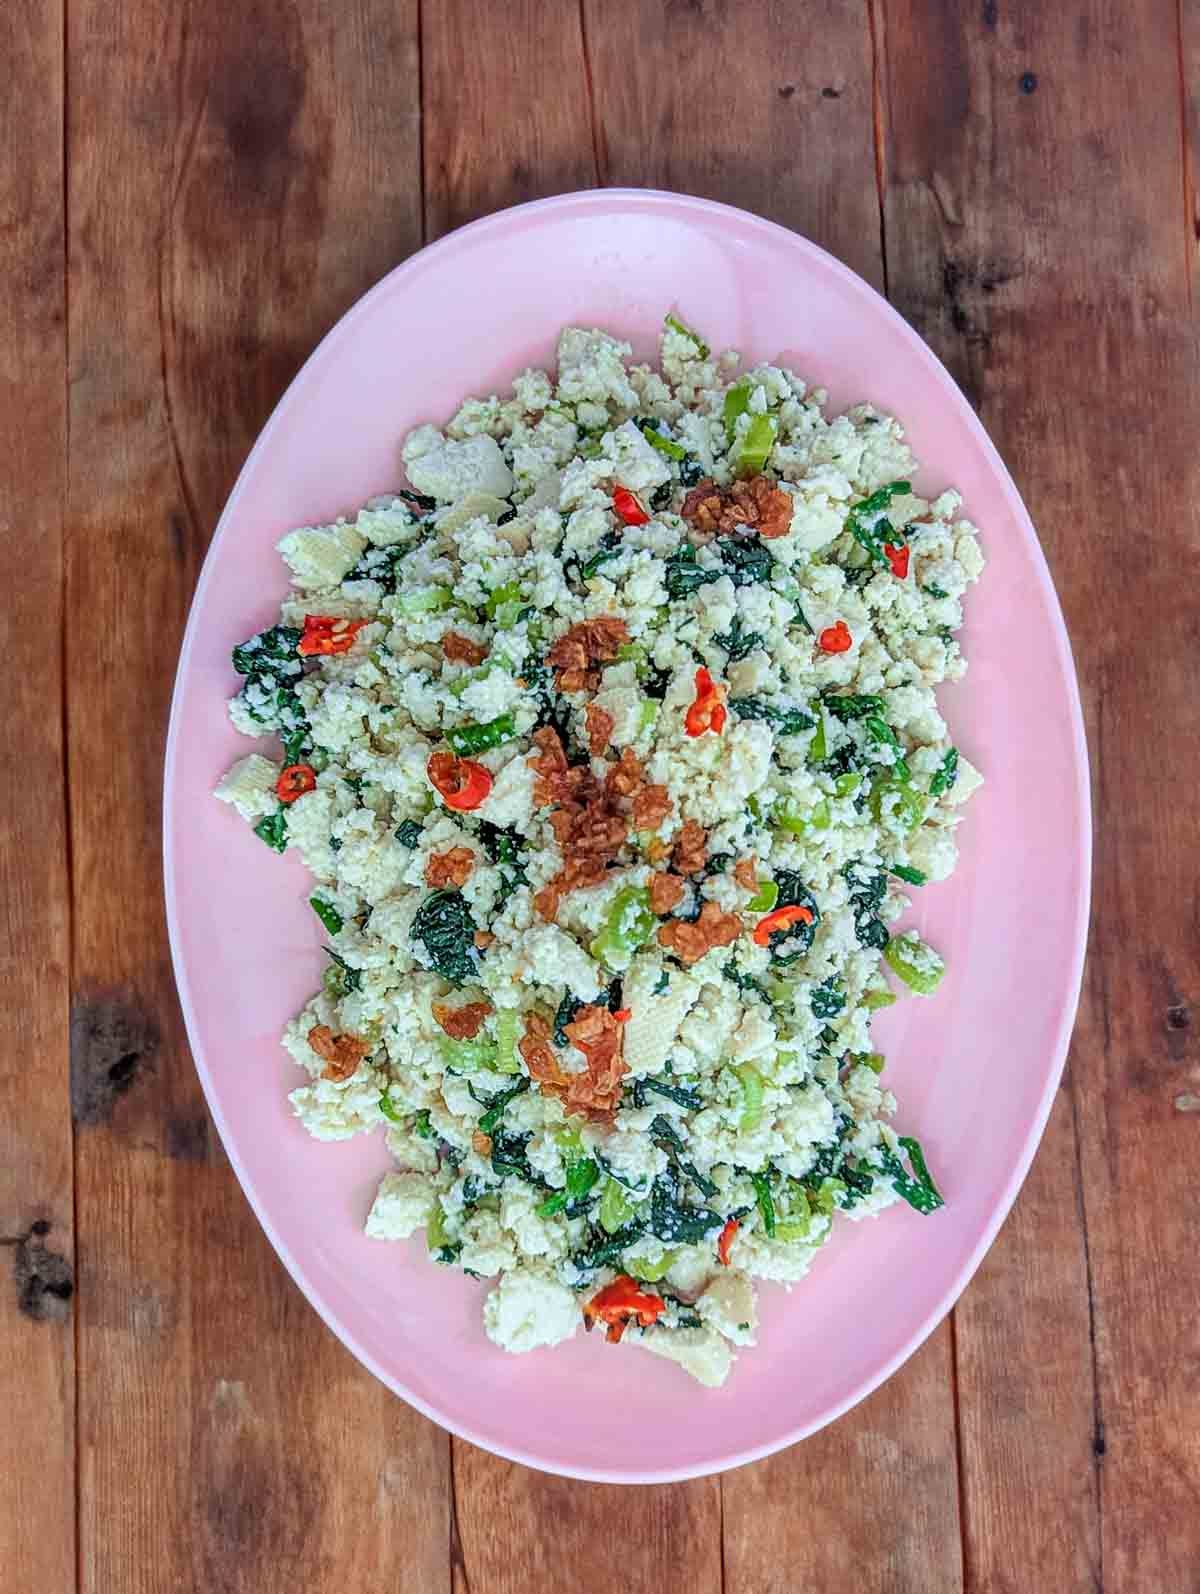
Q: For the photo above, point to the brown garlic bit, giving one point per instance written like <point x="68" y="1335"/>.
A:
<point x="745" y="872"/>
<point x="462" y="1023"/>
<point x="666" y="892"/>
<point x="690" y="942"/>
<point x="599" y="729"/>
<point x="759" y="504"/>
<point x="691" y="848"/>
<point x="460" y="649"/>
<point x="341" y="1054"/>
<point x="451" y="868"/>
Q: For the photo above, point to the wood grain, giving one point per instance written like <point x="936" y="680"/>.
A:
<point x="767" y="106"/>
<point x="506" y="107"/>
<point x="228" y="200"/>
<point x="1039" y="234"/>
<point x="37" y="1368"/>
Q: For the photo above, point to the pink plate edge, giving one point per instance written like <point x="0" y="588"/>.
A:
<point x="498" y="222"/>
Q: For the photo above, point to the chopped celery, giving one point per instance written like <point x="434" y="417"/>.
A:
<point x="737" y="402"/>
<point x="648" y="714"/>
<point x="581" y="1176"/>
<point x="651" y="1272"/>
<point x="795" y="1223"/>
<point x="766" y="1206"/>
<point x="422" y="600"/>
<point x="631" y="650"/>
<point x="509" y="592"/>
<point x="751" y="1082"/>
<point x="818" y="748"/>
<point x="421" y="1125"/>
<point x="508" y="1028"/>
<point x="815" y="818"/>
<point x="570" y="1142"/>
<point x="872" y="1060"/>
<point x="898" y="800"/>
<point x="826" y="1197"/>
<point x="616" y="1208"/>
<point x="467" y="1056"/>
<point x="757" y="442"/>
<point x="389" y="1109"/>
<point x="507" y="614"/>
<point x="469" y="677"/>
<point x="664" y="444"/>
<point x="913" y="877"/>
<point x="765" y="898"/>
<point x="874" y="1000"/>
<point x="436" y="1237"/>
<point x="630" y="922"/>
<point x="676" y="325"/>
<point x="477" y="738"/>
<point x="917" y="964"/>
<point x="846" y="785"/>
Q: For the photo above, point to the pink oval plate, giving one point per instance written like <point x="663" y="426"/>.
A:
<point x="974" y="1067"/>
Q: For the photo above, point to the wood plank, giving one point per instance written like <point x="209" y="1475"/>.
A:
<point x="758" y="105"/>
<point x="37" y="1371"/>
<point x="518" y="1530"/>
<point x="488" y="143"/>
<point x="238" y="175"/>
<point x="1038" y="236"/>
<point x="799" y="149"/>
<point x="506" y="108"/>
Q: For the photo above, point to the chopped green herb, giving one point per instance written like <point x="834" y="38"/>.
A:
<point x="788" y="720"/>
<point x="747" y="560"/>
<point x="920" y="1192"/>
<point x="495" y="1112"/>
<point x="389" y="1109"/>
<point x="904" y="871"/>
<point x="872" y="538"/>
<point x="676" y="325"/>
<point x="422" y="1126"/>
<point x="765" y="1203"/>
<point x="273" y="829"/>
<point x="737" y="642"/>
<point x="946" y="774"/>
<point x="829" y="998"/>
<point x="934" y="590"/>
<point x="658" y="440"/>
<point x="408" y="833"/>
<point x="868" y="887"/>
<point x="327" y="913"/>
<point x="444" y="927"/>
<point x="340" y="977"/>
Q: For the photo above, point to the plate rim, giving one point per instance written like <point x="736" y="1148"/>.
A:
<point x="651" y="199"/>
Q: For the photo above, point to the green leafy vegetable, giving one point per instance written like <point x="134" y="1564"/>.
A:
<point x="847" y="706"/>
<point x="609" y="549"/>
<point x="934" y="590"/>
<point x="340" y="977"/>
<point x="422" y="1127"/>
<point x="273" y="829"/>
<point x="829" y="998"/>
<point x="581" y="1176"/>
<point x="747" y="560"/>
<point x="873" y="537"/>
<point x="788" y="720"/>
<point x="408" y="833"/>
<point x="658" y="440"/>
<point x="327" y="913"/>
<point x="917" y="964"/>
<point x="946" y="774"/>
<point x="737" y="642"/>
<point x="389" y="1109"/>
<point x="272" y="666"/>
<point x="903" y="871"/>
<point x="682" y="1095"/>
<point x="868" y="887"/>
<point x="920" y="1192"/>
<point x="444" y="927"/>
<point x="495" y="1112"/>
<point x="752" y="1087"/>
<point x="673" y="1220"/>
<point x="798" y="937"/>
<point x="765" y="1202"/>
<point x="676" y="325"/>
<point x="476" y="738"/>
<point x="684" y="575"/>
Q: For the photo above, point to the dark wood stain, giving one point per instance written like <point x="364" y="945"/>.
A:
<point x="113" y="1041"/>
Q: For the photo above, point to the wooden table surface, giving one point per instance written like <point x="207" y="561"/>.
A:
<point x="190" y="194"/>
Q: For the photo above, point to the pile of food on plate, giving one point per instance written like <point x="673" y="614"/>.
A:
<point x="612" y="746"/>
